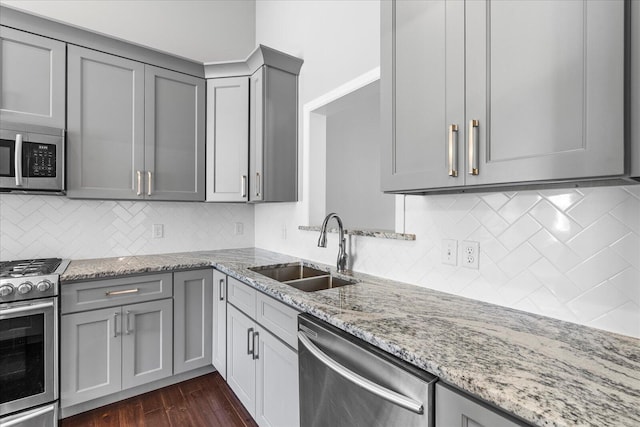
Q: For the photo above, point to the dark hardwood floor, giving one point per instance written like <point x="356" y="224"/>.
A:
<point x="199" y="402"/>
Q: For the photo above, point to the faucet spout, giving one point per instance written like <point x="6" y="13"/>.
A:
<point x="341" y="264"/>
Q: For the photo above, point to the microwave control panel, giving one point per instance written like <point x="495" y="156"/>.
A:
<point x="39" y="160"/>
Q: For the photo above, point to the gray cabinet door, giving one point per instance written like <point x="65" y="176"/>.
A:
<point x="105" y="132"/>
<point x="90" y="355"/>
<point x="32" y="79"/>
<point x="273" y="136"/>
<point x="192" y="292"/>
<point x="277" y="403"/>
<point x="545" y="81"/>
<point x="147" y="331"/>
<point x="456" y="410"/>
<point x="219" y="339"/>
<point x="227" y="139"/>
<point x="174" y="135"/>
<point x="422" y="94"/>
<point x="241" y="368"/>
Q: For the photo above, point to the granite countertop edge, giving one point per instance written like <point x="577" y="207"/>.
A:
<point x="371" y="317"/>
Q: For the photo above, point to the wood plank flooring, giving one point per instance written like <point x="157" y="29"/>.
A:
<point x="205" y="401"/>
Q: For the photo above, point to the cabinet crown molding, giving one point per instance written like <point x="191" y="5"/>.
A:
<point x="262" y="55"/>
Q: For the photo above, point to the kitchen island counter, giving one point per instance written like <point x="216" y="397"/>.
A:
<point x="546" y="371"/>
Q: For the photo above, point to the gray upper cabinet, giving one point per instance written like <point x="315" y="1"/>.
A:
<point x="192" y="292"/>
<point x="134" y="131"/>
<point x="254" y="160"/>
<point x="488" y="92"/>
<point x="105" y="134"/>
<point x="454" y="409"/>
<point x="227" y="139"/>
<point x="174" y="135"/>
<point x="32" y="79"/>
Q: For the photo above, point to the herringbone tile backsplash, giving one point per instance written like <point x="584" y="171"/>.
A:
<point x="34" y="226"/>
<point x="572" y="254"/>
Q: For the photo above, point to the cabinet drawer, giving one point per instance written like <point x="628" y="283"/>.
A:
<point x="278" y="318"/>
<point x="242" y="296"/>
<point x="83" y="296"/>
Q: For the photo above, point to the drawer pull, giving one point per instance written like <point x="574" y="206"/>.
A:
<point x="125" y="292"/>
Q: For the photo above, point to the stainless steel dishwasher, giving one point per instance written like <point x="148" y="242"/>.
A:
<point x="346" y="382"/>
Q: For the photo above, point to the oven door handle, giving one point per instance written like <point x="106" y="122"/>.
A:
<point x="29" y="416"/>
<point x="25" y="308"/>
<point x="380" y="391"/>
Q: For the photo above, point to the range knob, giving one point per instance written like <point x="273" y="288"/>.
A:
<point x="25" y="288"/>
<point x="6" y="290"/>
<point x="44" y="286"/>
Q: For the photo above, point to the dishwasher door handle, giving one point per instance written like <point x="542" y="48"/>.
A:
<point x="383" y="392"/>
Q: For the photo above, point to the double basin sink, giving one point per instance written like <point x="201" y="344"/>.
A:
<point x="302" y="277"/>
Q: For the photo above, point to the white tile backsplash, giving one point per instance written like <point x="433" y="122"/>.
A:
<point x="572" y="254"/>
<point x="33" y="226"/>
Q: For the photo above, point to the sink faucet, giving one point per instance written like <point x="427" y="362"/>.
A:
<point x="341" y="265"/>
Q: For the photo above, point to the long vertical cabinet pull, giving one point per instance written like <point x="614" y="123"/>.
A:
<point x="257" y="184"/>
<point x="149" y="176"/>
<point x="18" y="159"/>
<point x="243" y="184"/>
<point x="453" y="150"/>
<point x="221" y="297"/>
<point x="250" y="341"/>
<point x="474" y="134"/>
<point x="115" y="324"/>
<point x="127" y="330"/>
<point x="139" y="177"/>
<point x="256" y="345"/>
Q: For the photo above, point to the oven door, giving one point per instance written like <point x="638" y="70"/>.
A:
<point x="28" y="354"/>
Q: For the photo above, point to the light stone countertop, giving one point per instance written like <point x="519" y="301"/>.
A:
<point x="545" y="371"/>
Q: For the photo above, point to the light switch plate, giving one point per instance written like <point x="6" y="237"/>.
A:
<point x="450" y="251"/>
<point x="157" y="231"/>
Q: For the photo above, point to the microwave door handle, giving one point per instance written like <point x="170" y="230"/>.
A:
<point x="18" y="159"/>
<point x="383" y="392"/>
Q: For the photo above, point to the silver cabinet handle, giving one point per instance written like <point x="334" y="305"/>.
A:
<point x="29" y="416"/>
<point x="124" y="292"/>
<point x="18" y="159"/>
<point x="127" y="330"/>
<point x="243" y="184"/>
<point x="256" y="345"/>
<point x="474" y="132"/>
<point x="115" y="324"/>
<point x="149" y="183"/>
<point x="453" y="150"/>
<point x="383" y="392"/>
<point x="139" y="176"/>
<point x="250" y="341"/>
<point x="257" y="184"/>
<point x="25" y="308"/>
<point x="221" y="290"/>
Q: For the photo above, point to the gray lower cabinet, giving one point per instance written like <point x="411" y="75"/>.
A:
<point x="488" y="92"/>
<point x="192" y="309"/>
<point x="32" y="87"/>
<point x="227" y="139"/>
<point x="262" y="367"/>
<point x="219" y="329"/>
<point x="454" y="409"/>
<point x="108" y="350"/>
<point x="134" y="131"/>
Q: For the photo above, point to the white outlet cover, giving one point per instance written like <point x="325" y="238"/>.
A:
<point x="157" y="231"/>
<point x="239" y="228"/>
<point x="471" y="254"/>
<point x="450" y="252"/>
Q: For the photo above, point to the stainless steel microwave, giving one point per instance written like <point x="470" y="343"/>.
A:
<point x="31" y="158"/>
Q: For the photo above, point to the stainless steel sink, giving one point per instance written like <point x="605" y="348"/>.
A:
<point x="302" y="277"/>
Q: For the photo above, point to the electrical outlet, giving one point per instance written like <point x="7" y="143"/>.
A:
<point x="470" y="254"/>
<point x="450" y="251"/>
<point x="157" y="231"/>
<point x="239" y="228"/>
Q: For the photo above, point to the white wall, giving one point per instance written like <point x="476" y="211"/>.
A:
<point x="569" y="254"/>
<point x="33" y="226"/>
<point x="202" y="30"/>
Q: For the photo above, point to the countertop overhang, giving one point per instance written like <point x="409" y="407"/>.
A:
<point x="546" y="371"/>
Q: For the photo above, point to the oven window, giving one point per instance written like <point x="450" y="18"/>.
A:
<point x="22" y="359"/>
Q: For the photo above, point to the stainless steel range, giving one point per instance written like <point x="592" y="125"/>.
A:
<point x="29" y="341"/>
